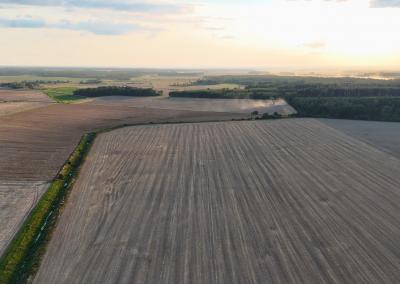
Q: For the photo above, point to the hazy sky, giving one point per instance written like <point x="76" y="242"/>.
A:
<point x="219" y="33"/>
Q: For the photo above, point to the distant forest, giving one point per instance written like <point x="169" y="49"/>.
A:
<point x="116" y="91"/>
<point x="362" y="108"/>
<point x="350" y="98"/>
<point x="122" y="74"/>
<point x="30" y="84"/>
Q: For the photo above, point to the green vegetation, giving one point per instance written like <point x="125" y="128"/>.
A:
<point x="115" y="91"/>
<point x="350" y="98"/>
<point x="364" y="108"/>
<point x="21" y="258"/>
<point x="29" y="84"/>
<point x="63" y="95"/>
<point x="282" y="86"/>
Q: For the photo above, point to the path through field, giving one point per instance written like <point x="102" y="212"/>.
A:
<point x="288" y="201"/>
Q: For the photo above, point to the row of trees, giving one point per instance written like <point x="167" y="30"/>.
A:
<point x="116" y="91"/>
<point x="372" y="108"/>
<point x="30" y="84"/>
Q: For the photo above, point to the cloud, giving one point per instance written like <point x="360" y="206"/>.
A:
<point x="95" y="27"/>
<point x="98" y="27"/>
<point x="385" y="3"/>
<point x="315" y="44"/>
<point x="22" y="23"/>
<point x="121" y="5"/>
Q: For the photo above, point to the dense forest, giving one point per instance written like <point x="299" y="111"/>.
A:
<point x="351" y="98"/>
<point x="365" y="108"/>
<point x="115" y="91"/>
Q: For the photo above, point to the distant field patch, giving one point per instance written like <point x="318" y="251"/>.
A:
<point x="4" y="79"/>
<point x="64" y="95"/>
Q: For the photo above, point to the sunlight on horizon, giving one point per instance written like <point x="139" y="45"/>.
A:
<point x="201" y="34"/>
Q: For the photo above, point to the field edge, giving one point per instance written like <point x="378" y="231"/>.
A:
<point x="22" y="257"/>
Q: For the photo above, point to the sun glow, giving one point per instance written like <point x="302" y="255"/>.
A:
<point x="236" y="33"/>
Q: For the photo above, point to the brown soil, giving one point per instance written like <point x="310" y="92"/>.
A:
<point x="34" y="144"/>
<point x="288" y="201"/>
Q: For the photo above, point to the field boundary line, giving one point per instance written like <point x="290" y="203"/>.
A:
<point x="22" y="257"/>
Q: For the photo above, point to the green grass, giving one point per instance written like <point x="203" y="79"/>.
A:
<point x="63" y="95"/>
<point x="21" y="259"/>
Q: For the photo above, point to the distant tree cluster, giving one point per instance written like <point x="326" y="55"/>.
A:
<point x="30" y="84"/>
<point x="279" y="86"/>
<point x="371" y="108"/>
<point x="116" y="91"/>
<point x="350" y="98"/>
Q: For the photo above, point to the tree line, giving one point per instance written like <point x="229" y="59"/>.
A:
<point x="116" y="91"/>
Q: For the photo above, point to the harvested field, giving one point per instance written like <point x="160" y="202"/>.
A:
<point x="7" y="108"/>
<point x="7" y="95"/>
<point x="12" y="101"/>
<point x="287" y="201"/>
<point x="16" y="201"/>
<point x="382" y="135"/>
<point x="35" y="144"/>
<point x="216" y="105"/>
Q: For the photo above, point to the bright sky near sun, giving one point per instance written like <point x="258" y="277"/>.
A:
<point x="196" y="34"/>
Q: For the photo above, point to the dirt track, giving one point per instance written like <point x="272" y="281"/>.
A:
<point x="288" y="201"/>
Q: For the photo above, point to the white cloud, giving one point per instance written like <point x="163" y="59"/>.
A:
<point x="385" y="3"/>
<point x="133" y="6"/>
<point x="95" y="27"/>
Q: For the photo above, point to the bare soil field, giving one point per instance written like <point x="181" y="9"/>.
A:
<point x="7" y="95"/>
<point x="16" y="201"/>
<point x="7" y="108"/>
<point x="13" y="101"/>
<point x="35" y="144"/>
<point x="382" y="135"/>
<point x="287" y="201"/>
<point x="216" y="105"/>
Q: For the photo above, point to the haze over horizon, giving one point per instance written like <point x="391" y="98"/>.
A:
<point x="201" y="34"/>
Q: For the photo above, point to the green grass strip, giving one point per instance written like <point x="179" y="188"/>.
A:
<point x="22" y="257"/>
<point x="64" y="95"/>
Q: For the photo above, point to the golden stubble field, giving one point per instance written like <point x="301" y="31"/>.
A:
<point x="288" y="201"/>
<point x="35" y="143"/>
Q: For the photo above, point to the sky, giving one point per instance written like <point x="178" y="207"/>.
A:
<point x="283" y="34"/>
